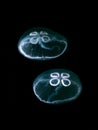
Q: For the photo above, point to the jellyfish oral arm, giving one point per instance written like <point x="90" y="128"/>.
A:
<point x="43" y="46"/>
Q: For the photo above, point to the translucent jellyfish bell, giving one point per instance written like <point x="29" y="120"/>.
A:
<point x="42" y="44"/>
<point x="57" y="86"/>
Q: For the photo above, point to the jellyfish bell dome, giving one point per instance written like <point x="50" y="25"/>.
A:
<point x="57" y="86"/>
<point x="42" y="44"/>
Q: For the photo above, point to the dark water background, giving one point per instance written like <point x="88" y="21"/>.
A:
<point x="75" y="23"/>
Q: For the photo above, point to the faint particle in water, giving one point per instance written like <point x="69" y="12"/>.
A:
<point x="42" y="44"/>
<point x="57" y="86"/>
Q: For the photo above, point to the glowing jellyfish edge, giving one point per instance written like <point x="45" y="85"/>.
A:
<point x="73" y="82"/>
<point x="41" y="38"/>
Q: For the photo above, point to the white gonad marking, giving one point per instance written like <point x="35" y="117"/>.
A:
<point x="34" y="40"/>
<point x="55" y="75"/>
<point x="65" y="75"/>
<point x="33" y="33"/>
<point x="43" y="33"/>
<point x="67" y="82"/>
<point x="55" y="79"/>
<point x="54" y="82"/>
<point x="45" y="39"/>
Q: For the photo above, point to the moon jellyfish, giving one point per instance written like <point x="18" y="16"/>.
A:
<point x="42" y="44"/>
<point x="57" y="86"/>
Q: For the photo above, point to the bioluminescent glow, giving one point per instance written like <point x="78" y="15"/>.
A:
<point x="42" y="44"/>
<point x="57" y="86"/>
